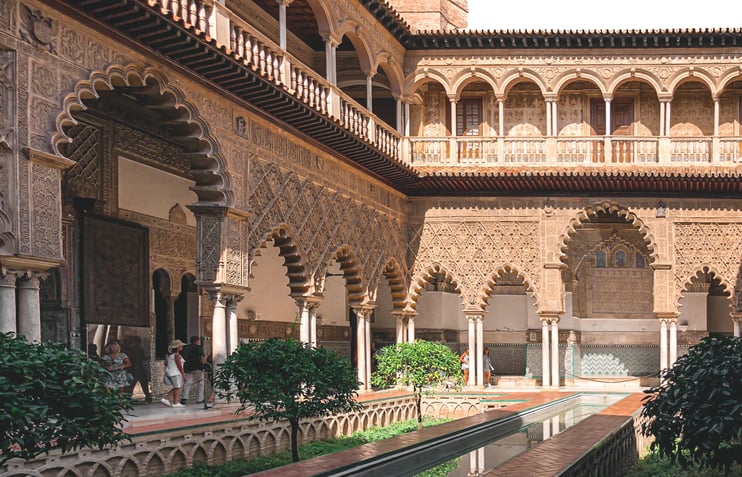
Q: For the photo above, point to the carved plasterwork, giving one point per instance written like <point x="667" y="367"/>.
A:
<point x="7" y="145"/>
<point x="321" y="222"/>
<point x="38" y="29"/>
<point x="715" y="246"/>
<point x="472" y="250"/>
<point x="46" y="206"/>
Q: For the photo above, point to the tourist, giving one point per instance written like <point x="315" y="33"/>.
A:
<point x="464" y="360"/>
<point x="139" y="365"/>
<point x="194" y="359"/>
<point x="174" y="374"/>
<point x="116" y="363"/>
<point x="487" y="365"/>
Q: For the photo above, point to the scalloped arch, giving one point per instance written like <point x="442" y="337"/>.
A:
<point x="608" y="207"/>
<point x="706" y="268"/>
<point x="418" y="282"/>
<point x="488" y="288"/>
<point x="351" y="268"/>
<point x="293" y="256"/>
<point x="207" y="164"/>
<point x="395" y="277"/>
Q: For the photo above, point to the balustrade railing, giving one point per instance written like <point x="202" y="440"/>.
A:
<point x="476" y="150"/>
<point x="525" y="150"/>
<point x="695" y="149"/>
<point x="429" y="151"/>
<point x="634" y="150"/>
<point x="730" y="149"/>
<point x="579" y="150"/>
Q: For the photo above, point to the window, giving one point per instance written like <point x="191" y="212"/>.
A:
<point x="469" y="117"/>
<point x="620" y="258"/>
<point x="600" y="259"/>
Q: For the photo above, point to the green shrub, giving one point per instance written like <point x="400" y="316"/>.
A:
<point x="652" y="465"/>
<point x="695" y="415"/>
<point x="54" y="398"/>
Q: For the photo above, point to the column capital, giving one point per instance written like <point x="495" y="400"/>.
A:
<point x="8" y="278"/>
<point x="29" y="279"/>
<point x="736" y="316"/>
<point x="474" y="315"/>
<point x="218" y="298"/>
<point x="402" y="314"/>
<point x="667" y="317"/>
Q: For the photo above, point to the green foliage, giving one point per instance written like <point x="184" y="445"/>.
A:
<point x="421" y="364"/>
<point x="54" y="398"/>
<point x="286" y="379"/>
<point x="695" y="415"/>
<point x="308" y="451"/>
<point x="652" y="465"/>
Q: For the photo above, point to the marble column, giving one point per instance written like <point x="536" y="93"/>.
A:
<point x="29" y="307"/>
<point x="555" y="352"/>
<point x="673" y="342"/>
<point x="400" y="328"/>
<point x="472" y="350"/>
<point x="545" y="368"/>
<point x="233" y="336"/>
<point x="479" y="358"/>
<point x="219" y="329"/>
<point x="313" y="339"/>
<point x="663" y="344"/>
<point x="304" y="333"/>
<point x="410" y="329"/>
<point x="736" y="320"/>
<point x="7" y="302"/>
<point x="361" y="348"/>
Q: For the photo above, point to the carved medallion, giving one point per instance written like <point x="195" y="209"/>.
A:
<point x="38" y="29"/>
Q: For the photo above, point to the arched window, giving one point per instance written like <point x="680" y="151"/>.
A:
<point x="640" y="260"/>
<point x="600" y="261"/>
<point x="620" y="258"/>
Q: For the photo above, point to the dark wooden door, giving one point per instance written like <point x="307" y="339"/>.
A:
<point x="622" y="118"/>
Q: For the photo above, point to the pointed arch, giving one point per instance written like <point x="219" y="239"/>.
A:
<point x="607" y="207"/>
<point x="207" y="164"/>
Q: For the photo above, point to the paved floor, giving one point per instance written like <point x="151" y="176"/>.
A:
<point x="545" y="459"/>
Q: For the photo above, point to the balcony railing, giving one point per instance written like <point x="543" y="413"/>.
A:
<point x="573" y="150"/>
<point x="266" y="58"/>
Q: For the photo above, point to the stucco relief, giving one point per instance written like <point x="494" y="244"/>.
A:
<point x="209" y="239"/>
<point x="473" y="250"/>
<point x="322" y="220"/>
<point x="716" y="245"/>
<point x="7" y="145"/>
<point x="235" y="243"/>
<point x="46" y="204"/>
<point x="38" y="29"/>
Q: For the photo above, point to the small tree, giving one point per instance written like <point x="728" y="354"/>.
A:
<point x="698" y="407"/>
<point x="286" y="379"/>
<point x="421" y="364"/>
<point x="54" y="398"/>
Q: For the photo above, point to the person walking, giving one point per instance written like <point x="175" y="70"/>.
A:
<point x="194" y="358"/>
<point x="174" y="374"/>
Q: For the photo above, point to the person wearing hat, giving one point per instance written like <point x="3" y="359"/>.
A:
<point x="174" y="374"/>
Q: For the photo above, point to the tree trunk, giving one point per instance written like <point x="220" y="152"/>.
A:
<point x="418" y="405"/>
<point x="294" y="438"/>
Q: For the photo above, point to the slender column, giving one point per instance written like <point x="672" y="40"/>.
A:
<point x="361" y="347"/>
<point x="662" y="118"/>
<point x="400" y="328"/>
<point x="480" y="350"/>
<point x="472" y="351"/>
<point x="303" y="321"/>
<point x="546" y="426"/>
<point x="716" y="116"/>
<point x="673" y="342"/>
<point x="407" y="119"/>
<point x="554" y="122"/>
<point x="453" y="117"/>
<point x="313" y="340"/>
<point x="668" y="121"/>
<point x="663" y="344"/>
<point x="501" y="117"/>
<point x="398" y="104"/>
<point x="219" y="329"/>
<point x="368" y="350"/>
<point x="29" y="307"/>
<point x="7" y="302"/>
<point x="411" y="329"/>
<point x="330" y="58"/>
<point x="282" y="4"/>
<point x="607" y="116"/>
<point x="480" y="458"/>
<point x="234" y="335"/>
<point x="555" y="352"/>
<point x="736" y="320"/>
<point x="545" y="368"/>
<point x="370" y="93"/>
<point x="548" y="118"/>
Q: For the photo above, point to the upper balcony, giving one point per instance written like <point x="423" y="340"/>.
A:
<point x="348" y="82"/>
